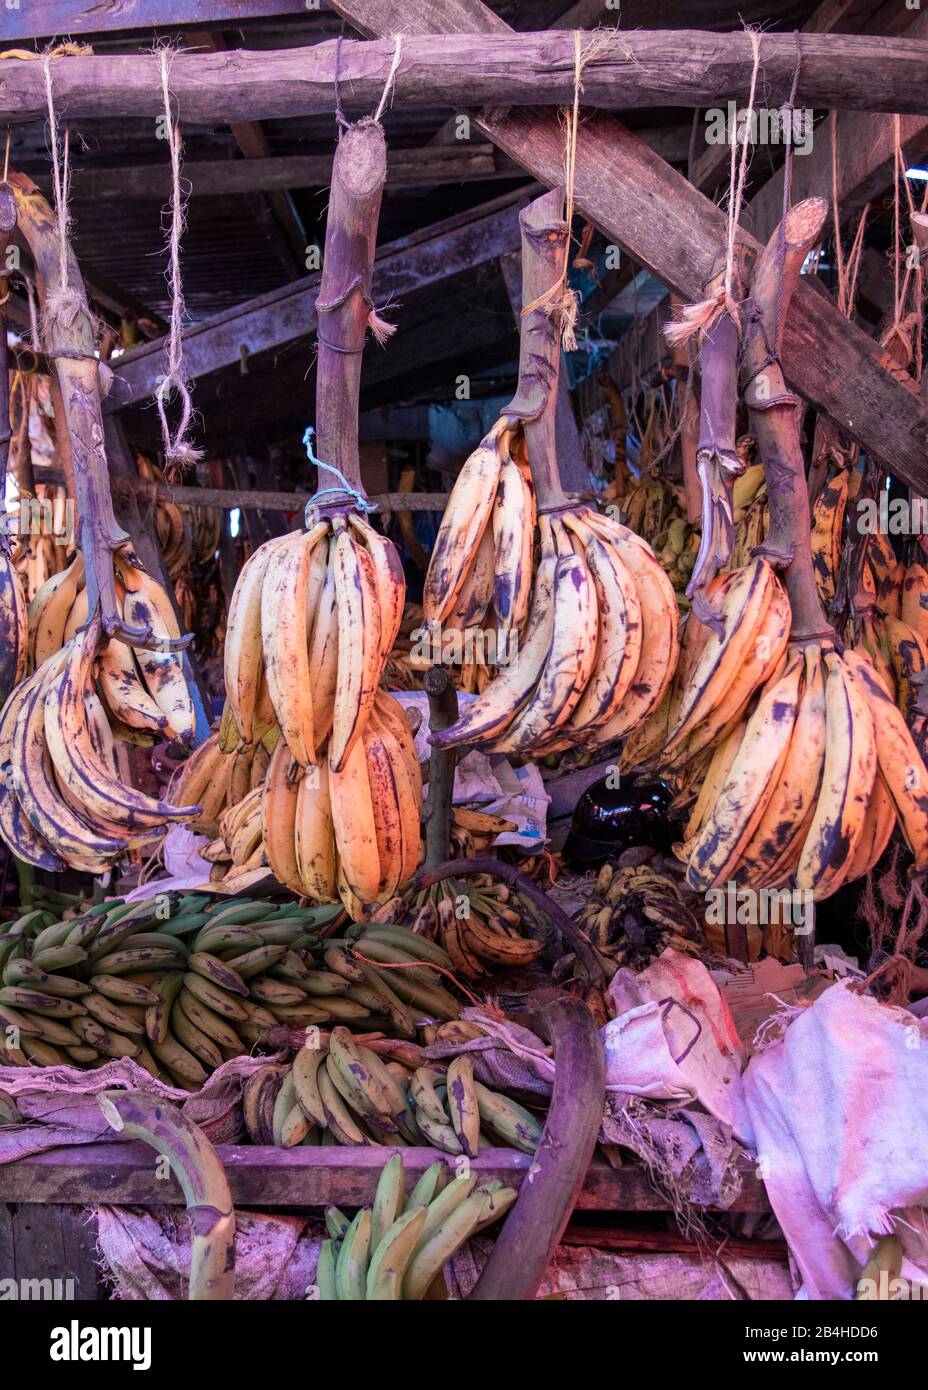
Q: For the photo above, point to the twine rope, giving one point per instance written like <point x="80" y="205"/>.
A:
<point x="179" y="453"/>
<point x="560" y="297"/>
<point x="703" y="315"/>
<point x="63" y="304"/>
<point x="391" y="77"/>
<point x="362" y="503"/>
<point x="6" y="154"/>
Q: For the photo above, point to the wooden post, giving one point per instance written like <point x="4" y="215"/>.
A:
<point x="7" y="227"/>
<point x="436" y="814"/>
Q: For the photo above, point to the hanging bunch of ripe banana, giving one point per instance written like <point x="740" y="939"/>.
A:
<point x="480" y="570"/>
<point x="315" y="615"/>
<point x="808" y="786"/>
<point x="62" y="800"/>
<point x="599" y="641"/>
<point x="144" y="692"/>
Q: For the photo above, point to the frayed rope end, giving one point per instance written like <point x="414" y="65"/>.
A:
<point x="381" y="329"/>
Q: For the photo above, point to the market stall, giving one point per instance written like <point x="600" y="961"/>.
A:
<point x="463" y="743"/>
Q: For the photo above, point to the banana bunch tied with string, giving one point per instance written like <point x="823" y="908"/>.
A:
<point x="808" y="787"/>
<point x="144" y="692"/>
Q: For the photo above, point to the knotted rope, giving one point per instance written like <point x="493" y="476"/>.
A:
<point x="179" y="453"/>
<point x="701" y="316"/>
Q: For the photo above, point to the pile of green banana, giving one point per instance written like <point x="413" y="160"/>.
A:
<point x="180" y="983"/>
<point x="397" y="1248"/>
<point x="342" y="1092"/>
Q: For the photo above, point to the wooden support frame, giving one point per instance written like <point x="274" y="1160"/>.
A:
<point x="665" y="224"/>
<point x="400" y="268"/>
<point x="442" y="66"/>
<point x="123" y="1174"/>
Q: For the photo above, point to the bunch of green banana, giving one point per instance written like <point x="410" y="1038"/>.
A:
<point x="397" y="1248"/>
<point x="341" y="1092"/>
<point x="481" y="924"/>
<point x="179" y="983"/>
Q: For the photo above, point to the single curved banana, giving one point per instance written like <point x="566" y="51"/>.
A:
<point x="391" y="581"/>
<point x="284" y="598"/>
<point x="122" y="688"/>
<point x="465" y="516"/>
<point x="359" y="634"/>
<point x="512" y="525"/>
<point x="279" y="800"/>
<point x="355" y="826"/>
<point x="848" y="776"/>
<point x="49" y="610"/>
<point x="314" y="843"/>
<point x="243" y="660"/>
<point x="750" y="782"/>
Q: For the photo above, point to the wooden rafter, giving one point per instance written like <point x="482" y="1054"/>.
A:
<point x="630" y="69"/>
<point x="657" y="216"/>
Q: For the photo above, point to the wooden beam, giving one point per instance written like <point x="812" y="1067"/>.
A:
<point x="865" y="159"/>
<point x="275" y="211"/>
<point x="715" y="160"/>
<point x="665" y="224"/>
<point x="121" y="1173"/>
<point x="632" y="69"/>
<point x="83" y="18"/>
<point x="408" y="264"/>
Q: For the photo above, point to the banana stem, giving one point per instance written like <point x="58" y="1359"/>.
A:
<point x="344" y="305"/>
<point x="69" y="346"/>
<point x="774" y="411"/>
<point x="546" y="1199"/>
<point x="7" y="227"/>
<point x="567" y="930"/>
<point x="195" y="1164"/>
<point x="544" y="239"/>
<point x="717" y="459"/>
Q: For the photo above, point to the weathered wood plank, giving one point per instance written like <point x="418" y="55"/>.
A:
<point x="715" y="160"/>
<point x="76" y="18"/>
<point x="865" y="158"/>
<point x="433" y="164"/>
<point x="123" y="1174"/>
<point x="50" y="1251"/>
<point x="631" y="69"/>
<point x="400" y="268"/>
